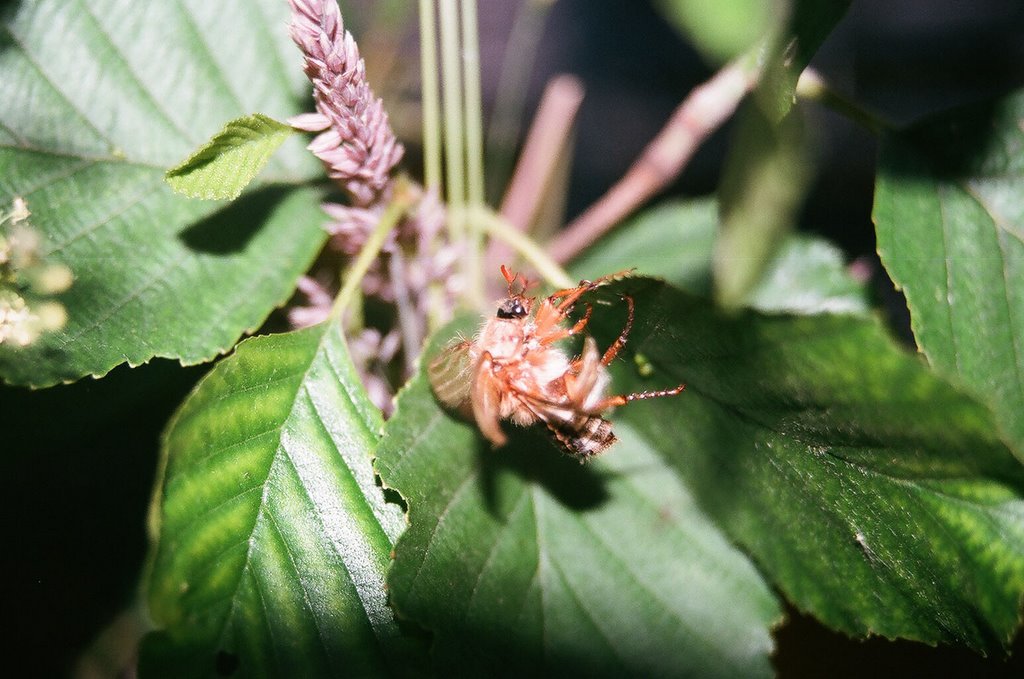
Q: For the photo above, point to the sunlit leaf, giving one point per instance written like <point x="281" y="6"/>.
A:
<point x="873" y="494"/>
<point x="226" y="164"/>
<point x="949" y="210"/>
<point x="99" y="100"/>
<point x="808" y="275"/>
<point x="272" y="537"/>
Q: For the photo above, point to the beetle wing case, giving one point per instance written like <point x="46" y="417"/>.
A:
<point x="451" y="378"/>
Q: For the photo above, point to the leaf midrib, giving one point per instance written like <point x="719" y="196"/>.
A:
<point x="282" y="456"/>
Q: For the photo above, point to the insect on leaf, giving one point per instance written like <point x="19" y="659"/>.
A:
<point x="522" y="562"/>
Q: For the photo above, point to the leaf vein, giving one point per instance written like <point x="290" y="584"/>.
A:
<point x="160" y="109"/>
<point x="944" y="219"/>
<point x="205" y="47"/>
<point x="201" y="567"/>
<point x="145" y="192"/>
<point x="591" y="617"/>
<point x="456" y="495"/>
<point x="82" y="156"/>
<point x="49" y="179"/>
<point x="121" y="304"/>
<point x="194" y="521"/>
<point x="49" y="81"/>
<point x="248" y="559"/>
<point x="22" y="141"/>
<point x="320" y="631"/>
<point x="492" y="552"/>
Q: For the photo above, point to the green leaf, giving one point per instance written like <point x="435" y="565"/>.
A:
<point x="523" y="562"/>
<point x="226" y="164"/>
<point x="673" y="240"/>
<point x="949" y="212"/>
<point x="763" y="186"/>
<point x="99" y="99"/>
<point x="810" y="22"/>
<point x="272" y="536"/>
<point x="806" y="275"/>
<point x="770" y="162"/>
<point x="723" y="30"/>
<point x="871" y="493"/>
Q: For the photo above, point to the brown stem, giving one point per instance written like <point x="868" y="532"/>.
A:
<point x="701" y="113"/>
<point x="545" y="144"/>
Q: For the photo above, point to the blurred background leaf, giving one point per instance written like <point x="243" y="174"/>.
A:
<point x="806" y="275"/>
<point x="763" y="185"/>
<point x="724" y="29"/>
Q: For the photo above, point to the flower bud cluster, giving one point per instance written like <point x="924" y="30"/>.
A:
<point x="27" y="281"/>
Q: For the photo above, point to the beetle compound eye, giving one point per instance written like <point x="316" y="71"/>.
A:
<point x="511" y="308"/>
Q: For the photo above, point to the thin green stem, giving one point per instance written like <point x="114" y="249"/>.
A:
<point x="432" y="135"/>
<point x="811" y="86"/>
<point x="354" y="275"/>
<point x="474" y="113"/>
<point x="474" y="142"/>
<point x="533" y="253"/>
<point x="454" y="135"/>
<point x="431" y="96"/>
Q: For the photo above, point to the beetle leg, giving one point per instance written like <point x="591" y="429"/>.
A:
<point x="486" y="400"/>
<point x="623" y="399"/>
<point x="562" y="333"/>
<point x="616" y="346"/>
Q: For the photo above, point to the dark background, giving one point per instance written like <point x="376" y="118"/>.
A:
<point x="79" y="460"/>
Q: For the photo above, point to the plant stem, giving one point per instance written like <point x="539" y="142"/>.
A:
<point x="408" y="320"/>
<point x="547" y="267"/>
<point x="545" y="144"/>
<point x="536" y="182"/>
<point x="455" y="179"/>
<point x="474" y="143"/>
<point x="473" y="104"/>
<point x="431" y="87"/>
<point x="510" y="98"/>
<point x="393" y="214"/>
<point x="431" y="96"/>
<point x="701" y="113"/>
<point x="813" y="87"/>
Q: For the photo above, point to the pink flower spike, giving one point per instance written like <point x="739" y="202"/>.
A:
<point x="310" y="122"/>
<point x="356" y="142"/>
